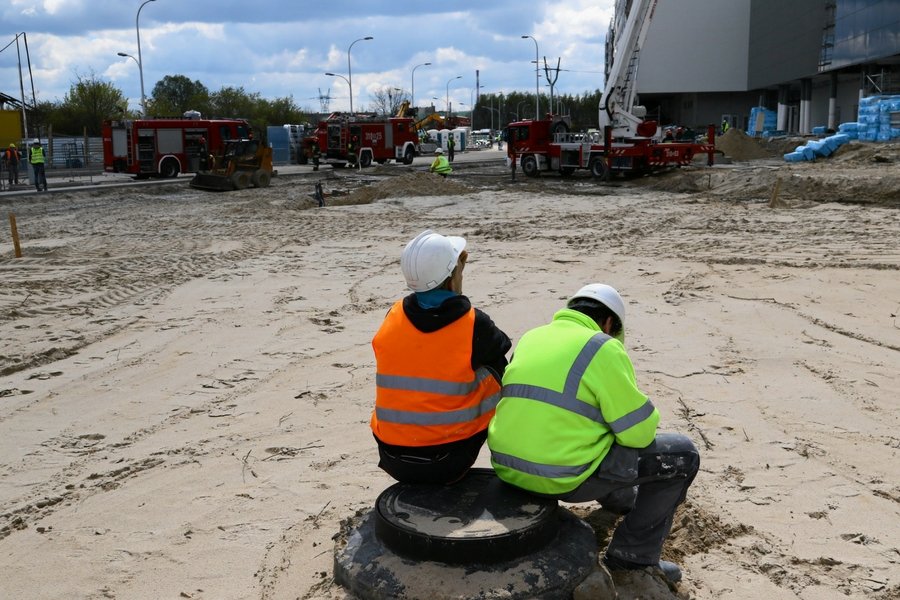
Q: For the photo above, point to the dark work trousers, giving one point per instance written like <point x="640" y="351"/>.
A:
<point x="651" y="482"/>
<point x="443" y="464"/>
<point x="40" y="178"/>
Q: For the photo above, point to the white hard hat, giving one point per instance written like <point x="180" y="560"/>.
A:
<point x="607" y="296"/>
<point x="429" y="259"/>
<point x="439" y="150"/>
<point x="36" y="141"/>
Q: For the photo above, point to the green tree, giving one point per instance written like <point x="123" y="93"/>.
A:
<point x="87" y="104"/>
<point x="235" y="102"/>
<point x="173" y="95"/>
<point x="41" y="117"/>
<point x="280" y="111"/>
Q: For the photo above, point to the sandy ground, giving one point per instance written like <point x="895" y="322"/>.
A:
<point x="186" y="377"/>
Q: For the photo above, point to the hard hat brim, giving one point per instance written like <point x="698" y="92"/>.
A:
<point x="458" y="243"/>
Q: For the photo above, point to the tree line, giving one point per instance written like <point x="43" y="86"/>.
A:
<point x="91" y="100"/>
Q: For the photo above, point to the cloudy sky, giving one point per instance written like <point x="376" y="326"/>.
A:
<point x="283" y="47"/>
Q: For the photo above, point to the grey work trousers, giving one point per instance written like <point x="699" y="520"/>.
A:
<point x="645" y="484"/>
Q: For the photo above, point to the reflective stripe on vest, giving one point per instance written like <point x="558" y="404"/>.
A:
<point x="567" y="400"/>
<point x="436" y="386"/>
<point x="426" y="390"/>
<point x="538" y="469"/>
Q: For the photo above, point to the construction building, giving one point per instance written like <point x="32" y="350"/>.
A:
<point x="705" y="61"/>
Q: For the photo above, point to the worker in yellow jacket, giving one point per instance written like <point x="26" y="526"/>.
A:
<point x="573" y="425"/>
<point x="36" y="158"/>
<point x="440" y="164"/>
<point x="439" y="365"/>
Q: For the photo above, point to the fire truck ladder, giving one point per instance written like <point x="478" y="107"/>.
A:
<point x="129" y="153"/>
<point x="617" y="104"/>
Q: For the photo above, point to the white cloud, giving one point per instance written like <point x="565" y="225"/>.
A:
<point x="281" y="51"/>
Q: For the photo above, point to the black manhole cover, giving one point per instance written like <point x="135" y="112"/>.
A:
<point x="478" y="520"/>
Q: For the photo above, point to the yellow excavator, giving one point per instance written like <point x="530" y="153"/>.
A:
<point x="242" y="163"/>
<point x="434" y="119"/>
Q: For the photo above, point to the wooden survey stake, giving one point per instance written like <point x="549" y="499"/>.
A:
<point x="15" y="235"/>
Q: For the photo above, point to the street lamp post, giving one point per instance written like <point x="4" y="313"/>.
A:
<point x="537" y="80"/>
<point x="476" y="103"/>
<point x="412" y="94"/>
<point x="126" y="55"/>
<point x="140" y="60"/>
<point x="395" y="109"/>
<point x="448" y="91"/>
<point x="342" y="77"/>
<point x="349" y="73"/>
<point x="519" y="109"/>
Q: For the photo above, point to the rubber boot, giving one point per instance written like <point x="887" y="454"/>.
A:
<point x="670" y="570"/>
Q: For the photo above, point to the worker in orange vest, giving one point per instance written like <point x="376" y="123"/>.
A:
<point x="439" y="365"/>
<point x="12" y="158"/>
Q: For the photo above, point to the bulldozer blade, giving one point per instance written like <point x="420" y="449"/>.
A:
<point x="211" y="182"/>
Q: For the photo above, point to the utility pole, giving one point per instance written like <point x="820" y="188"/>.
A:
<point x="553" y="81"/>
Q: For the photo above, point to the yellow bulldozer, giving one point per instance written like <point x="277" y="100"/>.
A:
<point x="242" y="163"/>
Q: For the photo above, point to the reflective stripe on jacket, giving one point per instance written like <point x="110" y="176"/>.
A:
<point x="568" y="394"/>
<point x="440" y="164"/>
<point x="426" y="390"/>
<point x="37" y="155"/>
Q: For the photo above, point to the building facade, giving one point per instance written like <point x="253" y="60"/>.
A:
<point x="810" y="60"/>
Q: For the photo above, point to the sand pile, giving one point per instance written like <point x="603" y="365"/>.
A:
<point x="868" y="153"/>
<point x="740" y="146"/>
<point x="407" y="186"/>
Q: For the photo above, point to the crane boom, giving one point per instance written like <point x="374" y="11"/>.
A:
<point x="617" y="102"/>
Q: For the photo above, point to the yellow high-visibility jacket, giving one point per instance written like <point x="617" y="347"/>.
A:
<point x="569" y="392"/>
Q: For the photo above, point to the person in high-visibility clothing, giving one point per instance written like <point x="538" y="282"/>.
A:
<point x="440" y="164"/>
<point x="36" y="158"/>
<point x="573" y="425"/>
<point x="12" y="158"/>
<point x="439" y="365"/>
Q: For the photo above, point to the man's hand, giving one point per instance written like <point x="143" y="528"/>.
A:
<point x="456" y="278"/>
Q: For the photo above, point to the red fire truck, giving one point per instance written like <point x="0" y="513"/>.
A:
<point x="362" y="140"/>
<point x="165" y="147"/>
<point x="548" y="145"/>
<point x="624" y="142"/>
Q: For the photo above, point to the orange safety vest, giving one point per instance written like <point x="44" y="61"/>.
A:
<point x="426" y="391"/>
